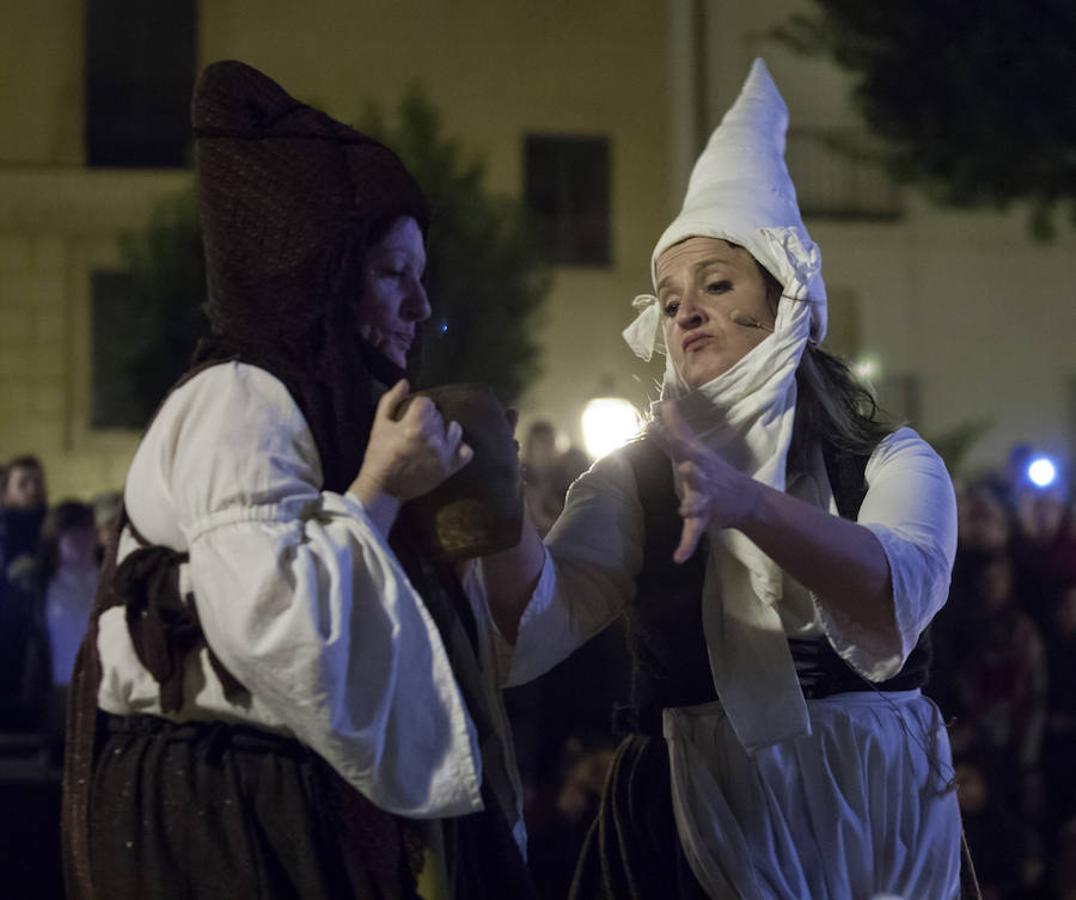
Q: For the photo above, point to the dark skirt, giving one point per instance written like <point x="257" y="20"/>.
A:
<point x="633" y="851"/>
<point x="216" y="810"/>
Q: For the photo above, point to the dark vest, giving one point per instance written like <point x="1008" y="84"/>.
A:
<point x="670" y="664"/>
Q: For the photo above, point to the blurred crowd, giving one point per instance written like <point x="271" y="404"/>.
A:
<point x="1004" y="671"/>
<point x="49" y="557"/>
<point x="1004" y="675"/>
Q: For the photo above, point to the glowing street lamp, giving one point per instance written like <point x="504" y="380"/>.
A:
<point x="608" y="423"/>
<point x="866" y="368"/>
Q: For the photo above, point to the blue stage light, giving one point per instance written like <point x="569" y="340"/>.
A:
<point x="1042" y="472"/>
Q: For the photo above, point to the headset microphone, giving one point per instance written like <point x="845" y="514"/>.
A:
<point x="741" y="318"/>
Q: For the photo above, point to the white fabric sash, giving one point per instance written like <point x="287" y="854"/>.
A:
<point x="746" y="415"/>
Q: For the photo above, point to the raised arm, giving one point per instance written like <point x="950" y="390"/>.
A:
<point x="878" y="581"/>
<point x="511" y="577"/>
<point x="548" y="600"/>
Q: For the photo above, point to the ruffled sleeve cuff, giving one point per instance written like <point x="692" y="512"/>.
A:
<point x="910" y="508"/>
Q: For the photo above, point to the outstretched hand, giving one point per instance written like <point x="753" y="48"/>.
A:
<point x="410" y="456"/>
<point x="712" y="493"/>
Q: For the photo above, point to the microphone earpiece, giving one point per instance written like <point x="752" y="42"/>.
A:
<point x="741" y="318"/>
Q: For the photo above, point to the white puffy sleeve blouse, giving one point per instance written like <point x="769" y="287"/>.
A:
<point x="299" y="596"/>
<point x="594" y="552"/>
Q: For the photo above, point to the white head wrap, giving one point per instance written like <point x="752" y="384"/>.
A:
<point x="740" y="191"/>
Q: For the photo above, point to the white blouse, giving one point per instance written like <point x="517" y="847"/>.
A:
<point x="300" y="598"/>
<point x="594" y="553"/>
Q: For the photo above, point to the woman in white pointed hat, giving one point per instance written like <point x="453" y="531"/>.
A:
<point x="779" y="553"/>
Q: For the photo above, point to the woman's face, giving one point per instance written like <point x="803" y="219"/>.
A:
<point x="25" y="488"/>
<point x="393" y="299"/>
<point x="700" y="281"/>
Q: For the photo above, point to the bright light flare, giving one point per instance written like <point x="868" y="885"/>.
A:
<point x="608" y="423"/>
<point x="867" y="368"/>
<point x="1042" y="472"/>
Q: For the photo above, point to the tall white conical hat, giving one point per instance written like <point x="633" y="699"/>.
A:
<point x="740" y="191"/>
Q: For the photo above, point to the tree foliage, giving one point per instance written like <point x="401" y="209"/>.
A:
<point x="150" y="341"/>
<point x="485" y="277"/>
<point x="973" y="101"/>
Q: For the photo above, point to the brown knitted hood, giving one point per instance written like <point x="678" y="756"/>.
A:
<point x="287" y="196"/>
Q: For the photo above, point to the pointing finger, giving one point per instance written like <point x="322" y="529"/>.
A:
<point x="693" y="506"/>
<point x="689" y="539"/>
<point x="464" y="454"/>
<point x="453" y="435"/>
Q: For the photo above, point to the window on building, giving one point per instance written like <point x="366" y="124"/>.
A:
<point x="836" y="178"/>
<point x="567" y="192"/>
<point x="115" y="401"/>
<point x="140" y="60"/>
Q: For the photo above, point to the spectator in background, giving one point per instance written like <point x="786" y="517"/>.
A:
<point x="67" y="575"/>
<point x="22" y="485"/>
<point x="24" y="673"/>
<point x="540" y="446"/>
<point x="24" y="676"/>
<point x="1003" y="689"/>
<point x="69" y="579"/>
<point x="572" y="463"/>
<point x="1043" y="550"/>
<point x="1059" y="744"/>
<point x="548" y="474"/>
<point x="23" y="501"/>
<point x="106" y="512"/>
<point x="544" y="502"/>
<point x="982" y="535"/>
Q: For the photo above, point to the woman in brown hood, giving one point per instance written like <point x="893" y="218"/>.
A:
<point x="277" y="698"/>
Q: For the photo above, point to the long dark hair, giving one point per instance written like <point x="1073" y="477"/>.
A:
<point x="833" y="408"/>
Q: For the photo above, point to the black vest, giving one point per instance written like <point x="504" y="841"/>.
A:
<point x="670" y="664"/>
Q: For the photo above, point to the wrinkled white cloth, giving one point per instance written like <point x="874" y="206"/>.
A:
<point x="740" y="191"/>
<point x="863" y="808"/>
<point x="746" y="416"/>
<point x="299" y="596"/>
